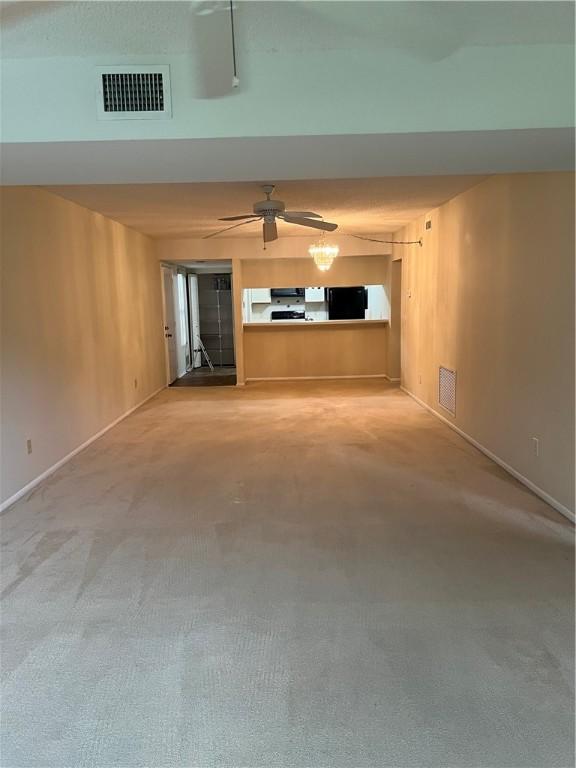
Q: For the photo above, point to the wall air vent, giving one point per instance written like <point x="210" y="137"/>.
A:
<point x="134" y="93"/>
<point x="447" y="389"/>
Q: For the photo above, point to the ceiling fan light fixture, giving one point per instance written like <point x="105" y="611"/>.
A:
<point x="269" y="211"/>
<point x="323" y="253"/>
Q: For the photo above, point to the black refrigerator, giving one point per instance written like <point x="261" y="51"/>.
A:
<point x="347" y="303"/>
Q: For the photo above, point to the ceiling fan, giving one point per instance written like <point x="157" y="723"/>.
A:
<point x="268" y="211"/>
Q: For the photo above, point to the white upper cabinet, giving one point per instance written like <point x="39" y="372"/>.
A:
<point x="260" y="296"/>
<point x="314" y="294"/>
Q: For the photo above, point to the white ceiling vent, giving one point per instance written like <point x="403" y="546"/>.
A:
<point x="134" y="93"/>
<point x="447" y="389"/>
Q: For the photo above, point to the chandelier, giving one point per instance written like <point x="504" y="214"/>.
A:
<point x="323" y="254"/>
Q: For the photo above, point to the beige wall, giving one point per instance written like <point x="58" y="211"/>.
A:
<point x="81" y="319"/>
<point x="237" y="303"/>
<point x="491" y="294"/>
<point x="289" y="273"/>
<point x="395" y="327"/>
<point x="190" y="249"/>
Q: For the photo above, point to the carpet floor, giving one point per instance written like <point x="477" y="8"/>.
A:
<point x="316" y="575"/>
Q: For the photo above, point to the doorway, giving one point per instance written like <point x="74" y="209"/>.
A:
<point x="203" y="304"/>
<point x="216" y="318"/>
<point x="176" y="333"/>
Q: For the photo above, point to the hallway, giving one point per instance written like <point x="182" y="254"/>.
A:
<point x="313" y="574"/>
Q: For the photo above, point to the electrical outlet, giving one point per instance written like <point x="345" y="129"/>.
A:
<point x="420" y="379"/>
<point x="536" y="446"/>
<point x="28" y="446"/>
<point x="135" y="383"/>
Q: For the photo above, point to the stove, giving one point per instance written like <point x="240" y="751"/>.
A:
<point x="287" y="314"/>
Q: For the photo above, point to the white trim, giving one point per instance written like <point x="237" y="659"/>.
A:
<point x="392" y="380"/>
<point x="317" y="378"/>
<point x="37" y="480"/>
<point x="558" y="506"/>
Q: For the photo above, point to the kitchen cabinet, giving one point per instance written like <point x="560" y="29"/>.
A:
<point x="314" y="294"/>
<point x="260" y="295"/>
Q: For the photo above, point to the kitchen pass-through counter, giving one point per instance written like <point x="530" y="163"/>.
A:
<point x="301" y="349"/>
<point x="301" y="324"/>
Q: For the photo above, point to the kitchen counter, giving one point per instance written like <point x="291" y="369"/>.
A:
<point x="315" y="348"/>
<point x="286" y="324"/>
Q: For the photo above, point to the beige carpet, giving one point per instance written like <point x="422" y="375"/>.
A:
<point x="312" y="575"/>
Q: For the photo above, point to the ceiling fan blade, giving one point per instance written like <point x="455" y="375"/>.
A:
<point x="213" y="234"/>
<point x="305" y="214"/>
<point x="237" y="218"/>
<point x="325" y="225"/>
<point x="270" y="231"/>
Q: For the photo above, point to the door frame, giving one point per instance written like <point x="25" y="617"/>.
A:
<point x="182" y="321"/>
<point x="167" y="325"/>
<point x="193" y="318"/>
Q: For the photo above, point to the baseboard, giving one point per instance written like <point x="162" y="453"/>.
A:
<point x="496" y="459"/>
<point x="393" y="381"/>
<point x="37" y="480"/>
<point x="316" y="378"/>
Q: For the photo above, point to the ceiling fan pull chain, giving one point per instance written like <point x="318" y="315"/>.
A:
<point x="235" y="79"/>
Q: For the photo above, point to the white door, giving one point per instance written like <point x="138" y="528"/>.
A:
<point x="194" y="321"/>
<point x="181" y="306"/>
<point x="169" y="324"/>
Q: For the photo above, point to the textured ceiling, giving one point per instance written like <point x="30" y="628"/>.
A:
<point x="436" y="29"/>
<point x="360" y="206"/>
